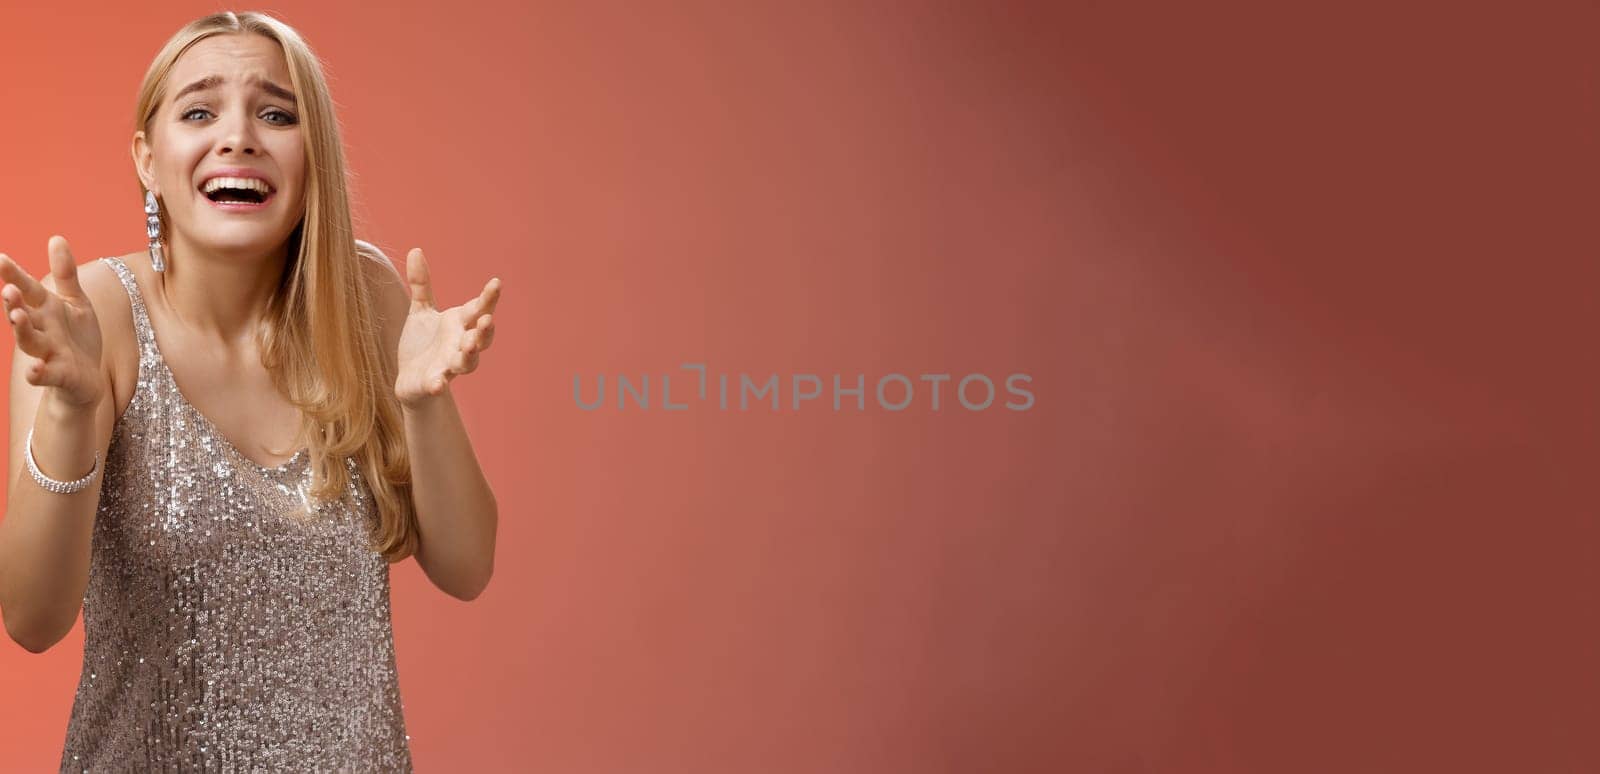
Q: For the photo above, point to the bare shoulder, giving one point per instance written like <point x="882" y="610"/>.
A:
<point x="99" y="280"/>
<point x="390" y="299"/>
<point x="114" y="311"/>
<point x="105" y="290"/>
<point x="387" y="283"/>
<point x="377" y="264"/>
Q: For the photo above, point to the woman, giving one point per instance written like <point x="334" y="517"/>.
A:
<point x="230" y="437"/>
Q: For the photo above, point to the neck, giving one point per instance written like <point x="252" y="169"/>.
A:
<point x="220" y="295"/>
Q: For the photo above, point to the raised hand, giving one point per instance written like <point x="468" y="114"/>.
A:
<point x="57" y="330"/>
<point x="437" y="346"/>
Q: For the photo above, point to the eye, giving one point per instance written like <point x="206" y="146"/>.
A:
<point x="279" y="117"/>
<point x="192" y="111"/>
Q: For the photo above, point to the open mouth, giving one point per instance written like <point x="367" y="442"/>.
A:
<point x="237" y="190"/>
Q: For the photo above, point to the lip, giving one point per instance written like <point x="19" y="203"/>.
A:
<point x="240" y="206"/>
<point x="237" y="206"/>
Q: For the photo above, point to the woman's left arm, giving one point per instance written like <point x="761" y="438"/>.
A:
<point x="456" y="510"/>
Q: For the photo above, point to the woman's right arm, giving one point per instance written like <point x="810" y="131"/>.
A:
<point x="61" y="389"/>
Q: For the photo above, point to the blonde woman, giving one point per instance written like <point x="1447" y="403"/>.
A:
<point x="219" y="444"/>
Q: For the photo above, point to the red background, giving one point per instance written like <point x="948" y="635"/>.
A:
<point x="1307" y="294"/>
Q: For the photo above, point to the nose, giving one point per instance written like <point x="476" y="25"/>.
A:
<point x="238" y="137"/>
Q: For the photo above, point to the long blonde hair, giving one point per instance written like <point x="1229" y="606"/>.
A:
<point x="342" y="384"/>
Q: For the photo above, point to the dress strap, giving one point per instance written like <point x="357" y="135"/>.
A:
<point x="141" y="319"/>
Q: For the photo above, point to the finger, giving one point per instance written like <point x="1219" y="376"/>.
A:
<point x="463" y="363"/>
<point x="486" y="299"/>
<point x="29" y="339"/>
<point x="11" y="299"/>
<point x="33" y="293"/>
<point x="64" y="268"/>
<point x="477" y="338"/>
<point x="417" y="277"/>
<point x="41" y="374"/>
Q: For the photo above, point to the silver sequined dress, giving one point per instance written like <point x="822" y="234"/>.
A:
<point x="224" y="630"/>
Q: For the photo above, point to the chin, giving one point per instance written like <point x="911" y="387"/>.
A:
<point x="234" y="233"/>
<point x="239" y="241"/>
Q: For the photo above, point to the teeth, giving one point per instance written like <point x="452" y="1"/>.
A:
<point x="244" y="183"/>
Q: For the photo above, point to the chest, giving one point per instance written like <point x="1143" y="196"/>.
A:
<point x="231" y="390"/>
<point x="238" y="396"/>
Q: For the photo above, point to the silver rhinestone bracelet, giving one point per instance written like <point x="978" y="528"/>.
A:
<point x="59" y="487"/>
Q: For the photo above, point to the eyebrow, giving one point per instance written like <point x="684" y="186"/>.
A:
<point x="213" y="81"/>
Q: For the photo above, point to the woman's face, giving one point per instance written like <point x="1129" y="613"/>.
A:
<point x="225" y="151"/>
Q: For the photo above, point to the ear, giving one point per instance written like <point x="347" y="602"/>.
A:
<point x="144" y="162"/>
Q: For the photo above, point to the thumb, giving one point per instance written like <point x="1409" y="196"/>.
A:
<point x="64" y="268"/>
<point x="417" y="277"/>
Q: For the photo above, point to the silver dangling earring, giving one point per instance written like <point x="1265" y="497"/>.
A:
<point x="152" y="229"/>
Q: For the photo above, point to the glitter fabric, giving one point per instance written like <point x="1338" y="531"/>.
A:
<point x="230" y="623"/>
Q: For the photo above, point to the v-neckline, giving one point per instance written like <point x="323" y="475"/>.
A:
<point x="207" y="425"/>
